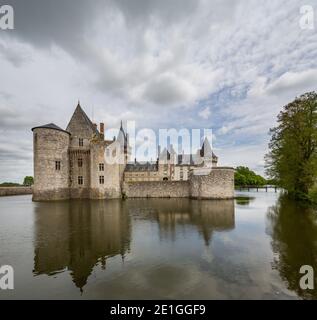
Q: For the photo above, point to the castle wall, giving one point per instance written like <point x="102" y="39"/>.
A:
<point x="181" y="172"/>
<point x="50" y="146"/>
<point x="15" y="191"/>
<point x="112" y="181"/>
<point x="156" y="189"/>
<point x="114" y="165"/>
<point x="111" y="187"/>
<point x="77" y="190"/>
<point x="97" y="190"/>
<point x="219" y="184"/>
<point x="131" y="176"/>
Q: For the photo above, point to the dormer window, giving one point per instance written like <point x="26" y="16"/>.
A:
<point x="81" y="142"/>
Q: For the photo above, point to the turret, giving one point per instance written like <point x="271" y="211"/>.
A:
<point x="206" y="154"/>
<point x="51" y="163"/>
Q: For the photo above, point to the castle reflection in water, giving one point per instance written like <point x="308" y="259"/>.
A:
<point x="79" y="234"/>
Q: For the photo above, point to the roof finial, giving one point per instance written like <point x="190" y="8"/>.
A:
<point x="78" y="102"/>
<point x="121" y="125"/>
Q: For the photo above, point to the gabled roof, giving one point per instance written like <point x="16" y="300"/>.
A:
<point x="79" y="112"/>
<point x="51" y="126"/>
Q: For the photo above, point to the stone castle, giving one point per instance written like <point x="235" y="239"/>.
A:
<point x="72" y="164"/>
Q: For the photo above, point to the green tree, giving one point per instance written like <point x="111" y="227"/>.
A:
<point x="9" y="184"/>
<point x="28" y="181"/>
<point x="291" y="160"/>
<point x="246" y="177"/>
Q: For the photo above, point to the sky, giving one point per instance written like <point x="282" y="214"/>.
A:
<point x="228" y="65"/>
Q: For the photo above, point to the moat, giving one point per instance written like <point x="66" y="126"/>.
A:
<point x="158" y="248"/>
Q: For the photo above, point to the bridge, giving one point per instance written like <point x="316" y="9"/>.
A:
<point x="250" y="188"/>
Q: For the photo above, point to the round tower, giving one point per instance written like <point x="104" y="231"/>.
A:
<point x="51" y="163"/>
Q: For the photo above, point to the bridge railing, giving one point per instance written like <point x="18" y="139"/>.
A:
<point x="253" y="187"/>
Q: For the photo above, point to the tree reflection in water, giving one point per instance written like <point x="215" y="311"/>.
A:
<point x="293" y="228"/>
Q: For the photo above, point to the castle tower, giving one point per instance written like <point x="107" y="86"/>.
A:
<point x="82" y="131"/>
<point x="51" y="163"/>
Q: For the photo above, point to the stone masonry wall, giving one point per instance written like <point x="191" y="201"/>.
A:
<point x="111" y="187"/>
<point x="14" y="191"/>
<point x="50" y="146"/>
<point x="156" y="189"/>
<point x="219" y="184"/>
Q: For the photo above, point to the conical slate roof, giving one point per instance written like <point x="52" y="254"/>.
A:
<point x="122" y="137"/>
<point x="206" y="150"/>
<point x="51" y="126"/>
<point x="79" y="121"/>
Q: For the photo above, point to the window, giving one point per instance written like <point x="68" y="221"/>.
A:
<point x="181" y="175"/>
<point x="101" y="167"/>
<point x="81" y="142"/>
<point x="80" y="163"/>
<point x="57" y="165"/>
<point x="101" y="179"/>
<point x="80" y="180"/>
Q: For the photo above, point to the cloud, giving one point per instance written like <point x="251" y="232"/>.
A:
<point x="165" y="64"/>
<point x="294" y="82"/>
<point x="165" y="10"/>
<point x="205" y="113"/>
<point x="169" y="89"/>
<point x="224" y="130"/>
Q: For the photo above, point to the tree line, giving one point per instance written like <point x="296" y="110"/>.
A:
<point x="27" y="182"/>
<point x="245" y="177"/>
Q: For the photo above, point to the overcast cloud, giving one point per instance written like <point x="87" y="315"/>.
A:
<point x="223" y="64"/>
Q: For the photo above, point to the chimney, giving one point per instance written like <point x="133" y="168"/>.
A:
<point x="102" y="128"/>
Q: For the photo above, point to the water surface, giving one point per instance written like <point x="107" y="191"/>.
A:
<point x="158" y="248"/>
